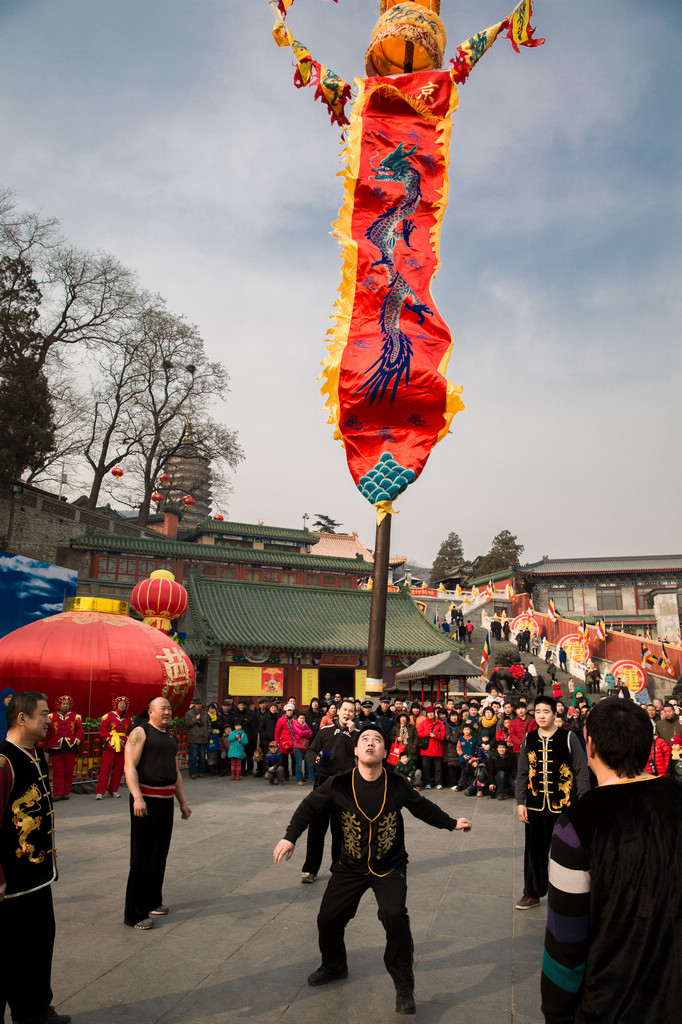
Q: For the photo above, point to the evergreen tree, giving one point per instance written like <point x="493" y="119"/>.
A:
<point x="324" y="524"/>
<point x="505" y="552"/>
<point x="449" y="558"/>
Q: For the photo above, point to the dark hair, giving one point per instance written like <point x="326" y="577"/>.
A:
<point x="23" y="703"/>
<point x="402" y="714"/>
<point x="549" y="701"/>
<point x="621" y="733"/>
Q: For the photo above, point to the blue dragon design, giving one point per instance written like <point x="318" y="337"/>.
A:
<point x="394" y="362"/>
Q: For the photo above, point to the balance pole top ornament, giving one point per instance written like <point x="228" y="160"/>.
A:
<point x="406" y="32"/>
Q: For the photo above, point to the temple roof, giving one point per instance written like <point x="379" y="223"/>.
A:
<point x="348" y="545"/>
<point x="248" y="614"/>
<point x="253" y="531"/>
<point x="582" y="566"/>
<point x="163" y="547"/>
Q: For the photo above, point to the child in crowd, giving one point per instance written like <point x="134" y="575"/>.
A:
<point x="302" y="737"/>
<point x="274" y="767"/>
<point x="236" y="745"/>
<point x="479" y="764"/>
<point x="466" y="749"/>
<point x="406" y="768"/>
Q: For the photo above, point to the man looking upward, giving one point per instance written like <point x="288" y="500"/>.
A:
<point x="153" y="778"/>
<point x="368" y="801"/>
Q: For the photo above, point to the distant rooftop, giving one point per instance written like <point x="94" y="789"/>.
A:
<point x="349" y="545"/>
<point x="252" y="531"/>
<point x="582" y="566"/>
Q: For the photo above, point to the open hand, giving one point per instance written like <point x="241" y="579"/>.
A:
<point x="283" y="850"/>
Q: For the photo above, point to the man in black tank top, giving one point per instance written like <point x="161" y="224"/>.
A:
<point x="368" y="801"/>
<point x="153" y="778"/>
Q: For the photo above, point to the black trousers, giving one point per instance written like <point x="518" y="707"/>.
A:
<point x="338" y="907"/>
<point x="27" y="929"/>
<point x="536" y="853"/>
<point x="317" y="830"/>
<point x="150" y="838"/>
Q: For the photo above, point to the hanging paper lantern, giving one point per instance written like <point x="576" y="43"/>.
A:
<point x="157" y="498"/>
<point x="159" y="599"/>
<point x="117" y="472"/>
<point x="96" y="652"/>
<point x="164" y="479"/>
<point x="188" y="501"/>
<point x="219" y="518"/>
<point x="402" y="26"/>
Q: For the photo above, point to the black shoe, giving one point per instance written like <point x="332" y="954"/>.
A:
<point x="52" y="1017"/>
<point x="404" y="1002"/>
<point x="323" y="975"/>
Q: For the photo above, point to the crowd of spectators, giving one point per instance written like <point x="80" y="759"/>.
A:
<point x="470" y="746"/>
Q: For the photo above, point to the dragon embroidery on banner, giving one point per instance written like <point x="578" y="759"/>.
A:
<point x="384" y="233"/>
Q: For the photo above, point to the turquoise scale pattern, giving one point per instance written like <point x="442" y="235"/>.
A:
<point x="386" y="480"/>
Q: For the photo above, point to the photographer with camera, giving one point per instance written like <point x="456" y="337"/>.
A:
<point x="330" y="753"/>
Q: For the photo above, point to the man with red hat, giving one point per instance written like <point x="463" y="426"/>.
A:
<point x="64" y="736"/>
<point x="113" y="731"/>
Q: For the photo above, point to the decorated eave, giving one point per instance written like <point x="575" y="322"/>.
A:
<point x="252" y="532"/>
<point x="301" y="618"/>
<point x="640" y="570"/>
<point x="161" y="546"/>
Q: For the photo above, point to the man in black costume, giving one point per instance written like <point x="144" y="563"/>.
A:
<point x="28" y="865"/>
<point x="368" y="801"/>
<point x="615" y="901"/>
<point x="153" y="778"/>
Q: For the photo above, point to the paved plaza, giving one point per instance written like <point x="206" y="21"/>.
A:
<point x="241" y="938"/>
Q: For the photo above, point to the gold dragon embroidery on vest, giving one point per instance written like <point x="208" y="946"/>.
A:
<point x="565" y="786"/>
<point x="350" y="826"/>
<point x="532" y="771"/>
<point x="386" y="833"/>
<point x="27" y="824"/>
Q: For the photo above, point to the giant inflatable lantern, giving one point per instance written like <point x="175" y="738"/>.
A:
<point x="96" y="652"/>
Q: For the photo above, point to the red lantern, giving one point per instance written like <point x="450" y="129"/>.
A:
<point x="159" y="599"/>
<point x="188" y="501"/>
<point x="96" y="652"/>
<point x="219" y="518"/>
<point x="117" y="472"/>
<point x="164" y="479"/>
<point x="157" y="498"/>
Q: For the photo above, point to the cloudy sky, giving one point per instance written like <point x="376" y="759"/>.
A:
<point x="169" y="133"/>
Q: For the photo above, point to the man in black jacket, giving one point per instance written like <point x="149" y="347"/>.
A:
<point x="368" y="801"/>
<point x="330" y="752"/>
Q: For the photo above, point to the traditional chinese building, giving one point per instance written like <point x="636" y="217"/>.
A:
<point x="629" y="592"/>
<point x="261" y="598"/>
<point x="302" y="641"/>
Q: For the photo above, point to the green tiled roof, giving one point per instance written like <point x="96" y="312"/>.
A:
<point x="305" y="618"/>
<point x="501" y="574"/>
<point x="254" y="531"/>
<point x="162" y="547"/>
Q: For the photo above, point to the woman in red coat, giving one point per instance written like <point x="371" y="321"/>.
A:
<point x="113" y="731"/>
<point x="432" y="754"/>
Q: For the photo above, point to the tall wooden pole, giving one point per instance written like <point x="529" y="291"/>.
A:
<point x="377" y="614"/>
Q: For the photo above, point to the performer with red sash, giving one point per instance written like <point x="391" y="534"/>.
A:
<point x="113" y="730"/>
<point x="153" y="778"/>
<point x="64" y="737"/>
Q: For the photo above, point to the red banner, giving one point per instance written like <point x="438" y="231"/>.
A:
<point x="385" y="375"/>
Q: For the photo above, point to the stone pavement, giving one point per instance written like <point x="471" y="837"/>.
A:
<point x="241" y="937"/>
